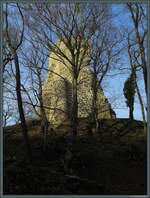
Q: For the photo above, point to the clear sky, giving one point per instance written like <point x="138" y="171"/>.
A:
<point x="113" y="86"/>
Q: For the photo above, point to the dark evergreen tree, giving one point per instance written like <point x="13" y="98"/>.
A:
<point x="129" y="93"/>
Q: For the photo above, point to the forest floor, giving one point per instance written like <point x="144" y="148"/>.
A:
<point x="112" y="165"/>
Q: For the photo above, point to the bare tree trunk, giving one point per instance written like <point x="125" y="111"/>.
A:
<point x="133" y="66"/>
<point x="13" y="50"/>
<point x="69" y="154"/>
<point x="44" y="128"/>
<point x="20" y="108"/>
<point x="95" y="113"/>
<point x="141" y="102"/>
<point x="44" y="121"/>
<point x="135" y="14"/>
<point x="131" y="112"/>
<point x="74" y="109"/>
<point x="142" y="107"/>
<point x="142" y="52"/>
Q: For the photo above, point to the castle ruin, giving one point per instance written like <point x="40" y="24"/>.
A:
<point x="57" y="89"/>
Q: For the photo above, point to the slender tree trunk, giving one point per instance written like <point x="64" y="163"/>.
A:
<point x="21" y="111"/>
<point x="74" y="109"/>
<point x="44" y="127"/>
<point x="142" y="108"/>
<point x="145" y="79"/>
<point x="95" y="113"/>
<point x="44" y="121"/>
<point x="141" y="104"/>
<point x="142" y="52"/>
<point x="139" y="41"/>
<point x="69" y="155"/>
<point x="131" y="112"/>
<point x="140" y="100"/>
<point x="18" y="86"/>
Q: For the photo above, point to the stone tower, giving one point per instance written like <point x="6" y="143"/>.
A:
<point x="57" y="89"/>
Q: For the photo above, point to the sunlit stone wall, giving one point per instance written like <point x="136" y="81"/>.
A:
<point x="57" y="89"/>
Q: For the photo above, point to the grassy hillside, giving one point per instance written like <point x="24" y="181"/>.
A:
<point x="114" y="163"/>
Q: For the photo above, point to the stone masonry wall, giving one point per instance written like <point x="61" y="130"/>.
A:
<point x="57" y="89"/>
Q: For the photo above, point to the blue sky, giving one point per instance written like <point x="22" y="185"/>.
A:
<point x="116" y="84"/>
<point x="113" y="86"/>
